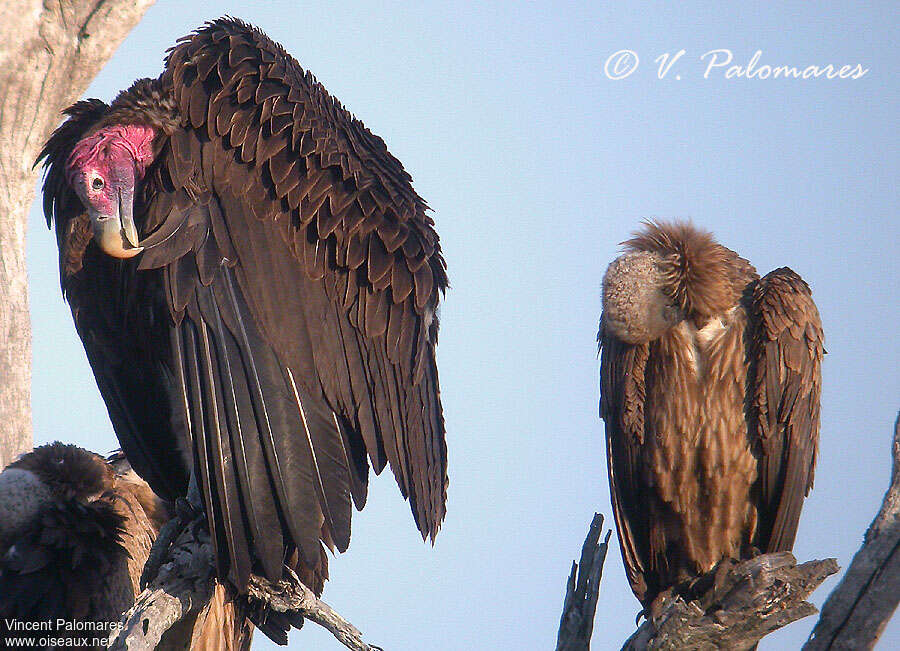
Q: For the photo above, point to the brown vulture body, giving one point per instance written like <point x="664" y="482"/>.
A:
<point x="273" y="332"/>
<point x="75" y="532"/>
<point x="710" y="386"/>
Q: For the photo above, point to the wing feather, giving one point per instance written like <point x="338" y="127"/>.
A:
<point x="622" y="393"/>
<point x="227" y="508"/>
<point x="370" y="250"/>
<point x="786" y="346"/>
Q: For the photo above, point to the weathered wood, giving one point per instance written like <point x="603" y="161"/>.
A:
<point x="858" y="609"/>
<point x="181" y="588"/>
<point x="745" y="602"/>
<point x="49" y="53"/>
<point x="290" y="595"/>
<point x="577" y="622"/>
<point x="184" y="585"/>
<point x="752" y="599"/>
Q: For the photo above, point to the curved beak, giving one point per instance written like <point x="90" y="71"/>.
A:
<point x="116" y="234"/>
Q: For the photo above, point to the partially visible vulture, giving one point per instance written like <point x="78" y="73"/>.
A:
<point x="75" y="532"/>
<point x="710" y="386"/>
<point x="256" y="285"/>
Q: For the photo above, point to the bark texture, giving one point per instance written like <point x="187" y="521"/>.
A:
<point x="577" y="622"/>
<point x="164" y="614"/>
<point x="859" y="608"/>
<point x="49" y="53"/>
<point x="751" y="600"/>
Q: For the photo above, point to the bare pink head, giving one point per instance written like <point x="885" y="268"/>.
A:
<point x="103" y="170"/>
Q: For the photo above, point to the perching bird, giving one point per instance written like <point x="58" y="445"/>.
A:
<point x="74" y="534"/>
<point x="256" y="285"/>
<point x="710" y="386"/>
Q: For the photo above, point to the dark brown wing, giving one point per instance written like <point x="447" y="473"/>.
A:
<point x="786" y="346"/>
<point x="304" y="277"/>
<point x="622" y="392"/>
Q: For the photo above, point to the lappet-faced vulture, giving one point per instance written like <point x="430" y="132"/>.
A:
<point x="256" y="285"/>
<point x="710" y="386"/>
<point x="75" y="531"/>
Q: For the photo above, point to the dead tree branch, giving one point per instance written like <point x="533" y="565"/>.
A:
<point x="184" y="585"/>
<point x="859" y="608"/>
<point x="291" y="596"/>
<point x="577" y="622"/>
<point x="49" y="53"/>
<point x="747" y="601"/>
<point x="755" y="598"/>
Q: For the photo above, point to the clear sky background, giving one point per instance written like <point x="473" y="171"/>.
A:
<point x="536" y="166"/>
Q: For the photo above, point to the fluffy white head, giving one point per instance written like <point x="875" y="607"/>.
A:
<point x="22" y="494"/>
<point x="635" y="307"/>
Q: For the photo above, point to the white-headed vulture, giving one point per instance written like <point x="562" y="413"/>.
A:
<point x="256" y="285"/>
<point x="710" y="386"/>
<point x="75" y="531"/>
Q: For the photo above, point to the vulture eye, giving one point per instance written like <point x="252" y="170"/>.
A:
<point x="97" y="183"/>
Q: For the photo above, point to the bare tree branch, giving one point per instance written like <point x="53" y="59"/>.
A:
<point x="183" y="586"/>
<point x="859" y="608"/>
<point x="49" y="53"/>
<point x="751" y="600"/>
<point x="745" y="601"/>
<point x="577" y="622"/>
<point x="290" y="595"/>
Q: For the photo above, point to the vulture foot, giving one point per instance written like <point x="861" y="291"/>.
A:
<point x="186" y="514"/>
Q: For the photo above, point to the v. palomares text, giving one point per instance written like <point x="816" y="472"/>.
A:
<point x="721" y="63"/>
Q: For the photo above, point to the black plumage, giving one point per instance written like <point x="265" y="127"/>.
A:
<point x="276" y="334"/>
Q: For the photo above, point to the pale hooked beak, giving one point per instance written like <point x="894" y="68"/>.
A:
<point x="116" y="234"/>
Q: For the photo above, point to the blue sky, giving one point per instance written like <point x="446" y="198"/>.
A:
<point x="536" y="166"/>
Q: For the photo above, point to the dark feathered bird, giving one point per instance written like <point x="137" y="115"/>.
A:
<point x="75" y="532"/>
<point x="256" y="284"/>
<point x="710" y="385"/>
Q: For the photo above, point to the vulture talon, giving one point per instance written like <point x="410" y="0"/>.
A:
<point x="186" y="515"/>
<point x="641" y="613"/>
<point x="185" y="511"/>
<point x="160" y="550"/>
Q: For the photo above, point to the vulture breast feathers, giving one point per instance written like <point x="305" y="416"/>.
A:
<point x="710" y="386"/>
<point x="256" y="284"/>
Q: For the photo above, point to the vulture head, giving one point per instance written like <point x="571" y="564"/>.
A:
<point x="636" y="307"/>
<point x="103" y="170"/>
<point x="75" y="532"/>
<point x="669" y="272"/>
<point x="51" y="472"/>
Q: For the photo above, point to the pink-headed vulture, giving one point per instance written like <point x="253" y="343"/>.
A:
<point x="710" y="387"/>
<point x="256" y="284"/>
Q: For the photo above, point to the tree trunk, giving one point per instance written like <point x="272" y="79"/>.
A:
<point x="49" y="53"/>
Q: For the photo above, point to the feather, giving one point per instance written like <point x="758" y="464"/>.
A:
<point x="292" y="344"/>
<point x="379" y="261"/>
<point x="787" y="346"/>
<point x="709" y="449"/>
